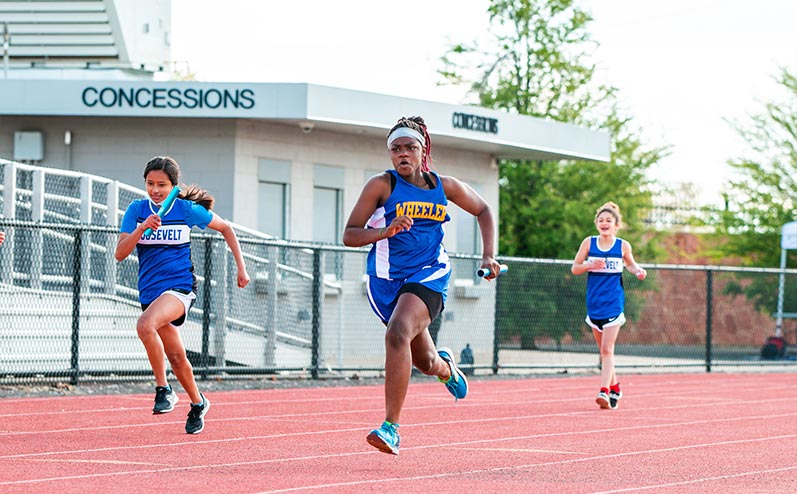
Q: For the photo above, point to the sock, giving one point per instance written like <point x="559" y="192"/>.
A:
<point x="201" y="403"/>
<point x="615" y="387"/>
<point x="605" y="390"/>
<point x="168" y="387"/>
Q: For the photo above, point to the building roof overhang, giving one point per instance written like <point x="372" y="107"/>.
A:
<point x="310" y="107"/>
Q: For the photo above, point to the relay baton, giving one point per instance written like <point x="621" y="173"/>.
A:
<point x="486" y="272"/>
<point x="165" y="205"/>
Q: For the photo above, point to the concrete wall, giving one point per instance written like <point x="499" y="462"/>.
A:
<point x="118" y="148"/>
<point x="221" y="155"/>
<point x="357" y="155"/>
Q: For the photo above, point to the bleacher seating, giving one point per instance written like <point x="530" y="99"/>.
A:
<point x="122" y="34"/>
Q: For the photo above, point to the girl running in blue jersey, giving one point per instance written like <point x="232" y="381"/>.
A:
<point x="166" y="281"/>
<point x="603" y="257"/>
<point x="401" y="213"/>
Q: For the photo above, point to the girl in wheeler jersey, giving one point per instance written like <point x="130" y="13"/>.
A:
<point x="166" y="281"/>
<point x="401" y="213"/>
<point x="603" y="257"/>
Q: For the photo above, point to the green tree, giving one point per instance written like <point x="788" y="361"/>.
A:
<point x="537" y="64"/>
<point x="760" y="198"/>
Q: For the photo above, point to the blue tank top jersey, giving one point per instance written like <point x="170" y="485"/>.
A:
<point x="406" y="253"/>
<point x="164" y="257"/>
<point x="605" y="295"/>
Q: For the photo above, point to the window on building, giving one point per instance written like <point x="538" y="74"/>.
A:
<point x="327" y="221"/>
<point x="274" y="179"/>
<point x="469" y="240"/>
<point x="328" y="182"/>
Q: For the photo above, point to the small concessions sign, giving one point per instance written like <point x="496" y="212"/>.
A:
<point x="788" y="238"/>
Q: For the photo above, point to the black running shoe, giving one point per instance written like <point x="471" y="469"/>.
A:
<point x="614" y="397"/>
<point x="196" y="416"/>
<point x="165" y="399"/>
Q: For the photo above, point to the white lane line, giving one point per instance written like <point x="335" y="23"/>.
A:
<point x="428" y="424"/>
<point x="699" y="481"/>
<point x="100" y="462"/>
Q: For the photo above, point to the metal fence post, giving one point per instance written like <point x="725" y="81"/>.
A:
<point x="270" y="359"/>
<point x="318" y="294"/>
<point x="496" y="336"/>
<point x="709" y="288"/>
<point x="204" y="358"/>
<point x="76" y="288"/>
<point x="221" y="302"/>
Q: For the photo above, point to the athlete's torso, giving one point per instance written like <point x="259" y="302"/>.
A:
<point x="605" y="296"/>
<point x="409" y="251"/>
<point x="164" y="257"/>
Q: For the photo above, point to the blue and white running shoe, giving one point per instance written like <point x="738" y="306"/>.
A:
<point x="457" y="384"/>
<point x="386" y="438"/>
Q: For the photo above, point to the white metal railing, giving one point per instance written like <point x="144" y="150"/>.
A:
<point x="95" y="205"/>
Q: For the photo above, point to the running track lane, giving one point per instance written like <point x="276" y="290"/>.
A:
<point x="685" y="433"/>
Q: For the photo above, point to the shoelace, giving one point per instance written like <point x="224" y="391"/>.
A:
<point x="196" y="411"/>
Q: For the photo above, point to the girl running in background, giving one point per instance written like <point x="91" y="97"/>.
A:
<point x="602" y="257"/>
<point x="401" y="212"/>
<point x="166" y="281"/>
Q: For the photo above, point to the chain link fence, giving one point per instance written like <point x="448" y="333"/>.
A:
<point x="688" y="317"/>
<point x="68" y="311"/>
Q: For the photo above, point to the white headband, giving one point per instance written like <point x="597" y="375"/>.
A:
<point x="405" y="132"/>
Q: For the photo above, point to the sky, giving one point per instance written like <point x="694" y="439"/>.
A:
<point x="684" y="68"/>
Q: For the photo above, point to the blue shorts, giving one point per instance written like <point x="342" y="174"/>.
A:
<point x="383" y="294"/>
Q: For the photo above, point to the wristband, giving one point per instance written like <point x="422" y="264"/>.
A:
<point x="381" y="232"/>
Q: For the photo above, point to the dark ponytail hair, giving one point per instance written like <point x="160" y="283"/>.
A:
<point x="172" y="170"/>
<point x="417" y="124"/>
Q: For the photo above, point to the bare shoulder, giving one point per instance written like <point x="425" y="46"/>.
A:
<point x="375" y="192"/>
<point x="448" y="179"/>
<point x="378" y="184"/>
<point x="379" y="178"/>
<point x="452" y="185"/>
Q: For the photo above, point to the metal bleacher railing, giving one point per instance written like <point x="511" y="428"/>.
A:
<point x="69" y="307"/>
<point x="68" y="310"/>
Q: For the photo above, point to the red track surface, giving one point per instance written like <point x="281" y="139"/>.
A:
<point x="704" y="433"/>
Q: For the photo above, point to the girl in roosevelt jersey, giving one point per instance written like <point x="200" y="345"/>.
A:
<point x="401" y="213"/>
<point x="166" y="281"/>
<point x="602" y="257"/>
